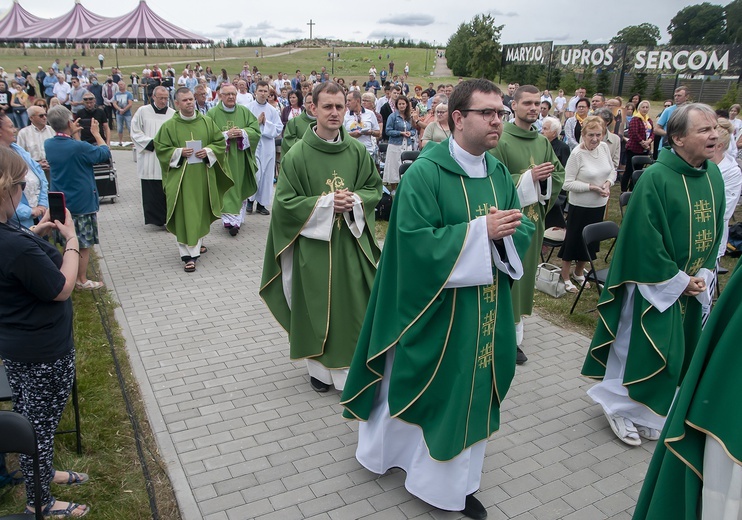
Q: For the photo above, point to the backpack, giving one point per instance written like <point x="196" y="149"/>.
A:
<point x="384" y="207"/>
<point x="734" y="242"/>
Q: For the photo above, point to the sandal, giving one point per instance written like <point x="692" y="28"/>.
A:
<point x="624" y="429"/>
<point x="90" y="285"/>
<point x="190" y="266"/>
<point x="570" y="286"/>
<point x="580" y="280"/>
<point x="74" y="478"/>
<point x="71" y="511"/>
<point x="202" y="250"/>
<point x="645" y="432"/>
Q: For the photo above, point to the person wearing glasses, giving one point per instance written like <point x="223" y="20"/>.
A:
<point x="32" y="137"/>
<point x="241" y="132"/>
<point x="539" y="175"/>
<point x="36" y="281"/>
<point x="437" y="349"/>
<point x="438" y="131"/>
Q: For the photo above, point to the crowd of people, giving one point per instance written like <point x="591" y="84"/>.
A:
<point x="462" y="250"/>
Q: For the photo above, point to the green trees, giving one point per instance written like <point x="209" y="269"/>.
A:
<point x="700" y="24"/>
<point x="474" y="49"/>
<point x="642" y="34"/>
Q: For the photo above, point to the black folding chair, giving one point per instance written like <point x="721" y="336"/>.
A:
<point x="639" y="162"/>
<point x="594" y="234"/>
<point x="403" y="168"/>
<point x="409" y="156"/>
<point x="18" y="436"/>
<point x="623" y="201"/>
<point x="7" y="395"/>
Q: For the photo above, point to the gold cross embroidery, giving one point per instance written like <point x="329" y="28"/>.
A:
<point x="490" y="292"/>
<point x="482" y="209"/>
<point x="488" y="327"/>
<point x="702" y="211"/>
<point x="336" y="183"/>
<point x="229" y="125"/>
<point x="695" y="266"/>
<point x="485" y="357"/>
<point x="532" y="214"/>
<point x="703" y="240"/>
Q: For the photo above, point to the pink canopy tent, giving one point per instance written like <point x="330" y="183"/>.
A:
<point x="67" y="28"/>
<point x="15" y="21"/>
<point x="142" y="25"/>
<point x="80" y="25"/>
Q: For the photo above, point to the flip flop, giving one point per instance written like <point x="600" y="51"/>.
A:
<point x="74" y="478"/>
<point x="90" y="285"/>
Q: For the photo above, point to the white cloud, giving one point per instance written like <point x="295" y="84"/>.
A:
<point x="380" y="34"/>
<point x="230" y="25"/>
<point x="497" y="12"/>
<point x="408" y="19"/>
<point x="555" y="38"/>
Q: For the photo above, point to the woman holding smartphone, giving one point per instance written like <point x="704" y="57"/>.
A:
<point x="36" y="281"/>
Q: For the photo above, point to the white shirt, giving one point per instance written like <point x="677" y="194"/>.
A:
<point x="366" y="122"/>
<point x="32" y="140"/>
<point x="244" y="99"/>
<point x="62" y="92"/>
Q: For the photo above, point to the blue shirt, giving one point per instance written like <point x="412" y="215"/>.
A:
<point x="662" y="121"/>
<point x="23" y="211"/>
<point x="71" y="168"/>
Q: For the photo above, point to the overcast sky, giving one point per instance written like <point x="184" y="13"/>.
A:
<point x="563" y="21"/>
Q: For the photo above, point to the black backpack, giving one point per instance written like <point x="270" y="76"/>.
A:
<point x="384" y="207"/>
<point x="734" y="242"/>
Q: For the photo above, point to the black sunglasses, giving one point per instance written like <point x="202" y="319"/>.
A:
<point x="22" y="184"/>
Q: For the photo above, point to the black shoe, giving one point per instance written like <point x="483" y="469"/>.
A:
<point x="261" y="209"/>
<point x="474" y="508"/>
<point x="521" y="357"/>
<point x="318" y="385"/>
<point x="248" y="209"/>
<point x="233" y="230"/>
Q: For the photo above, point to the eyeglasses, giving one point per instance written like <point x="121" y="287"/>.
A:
<point x="488" y="114"/>
<point x="88" y="99"/>
<point x="40" y="115"/>
<point x="22" y="184"/>
<point x="668" y="106"/>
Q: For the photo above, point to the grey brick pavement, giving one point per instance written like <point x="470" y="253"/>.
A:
<point x="244" y="436"/>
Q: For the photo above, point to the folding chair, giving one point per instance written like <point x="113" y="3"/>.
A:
<point x="18" y="436"/>
<point x="594" y="234"/>
<point x="409" y="156"/>
<point x="7" y="395"/>
<point x="554" y="219"/>
<point x="623" y="201"/>
<point x="403" y="167"/>
<point x="639" y="162"/>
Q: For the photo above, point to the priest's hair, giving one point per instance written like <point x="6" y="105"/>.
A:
<point x="460" y="98"/>
<point x="679" y="122"/>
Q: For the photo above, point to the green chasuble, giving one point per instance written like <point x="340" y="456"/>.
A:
<point x="520" y="150"/>
<point x="241" y="161"/>
<point x="294" y="131"/>
<point x="329" y="282"/>
<point x="454" y="348"/>
<point x="707" y="404"/>
<point x="674" y="222"/>
<point x="194" y="192"/>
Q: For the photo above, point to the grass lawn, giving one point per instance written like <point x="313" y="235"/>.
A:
<point x="117" y="487"/>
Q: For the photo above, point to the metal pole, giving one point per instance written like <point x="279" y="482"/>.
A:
<point x="333" y="60"/>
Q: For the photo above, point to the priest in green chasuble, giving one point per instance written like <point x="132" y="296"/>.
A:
<point x="436" y="354"/>
<point x="658" y="285"/>
<point x="195" y="175"/>
<point x="321" y="253"/>
<point x="241" y="132"/>
<point x="538" y="175"/>
<point x="696" y="469"/>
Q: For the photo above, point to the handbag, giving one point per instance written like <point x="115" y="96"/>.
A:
<point x="549" y="280"/>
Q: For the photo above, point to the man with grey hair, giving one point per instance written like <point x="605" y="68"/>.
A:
<point x="658" y="290"/>
<point x="62" y="90"/>
<point x="145" y="124"/>
<point x="71" y="167"/>
<point x="551" y="127"/>
<point x="32" y="137"/>
<point x="612" y="140"/>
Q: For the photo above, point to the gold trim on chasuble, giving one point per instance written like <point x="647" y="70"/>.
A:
<point x="487" y="298"/>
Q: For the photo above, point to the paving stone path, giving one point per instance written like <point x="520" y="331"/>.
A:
<point x="244" y="436"/>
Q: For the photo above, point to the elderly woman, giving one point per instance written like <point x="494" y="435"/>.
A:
<point x="439" y="130"/>
<point x="400" y="129"/>
<point x="34" y="199"/>
<point x="573" y="125"/>
<point x="551" y="128"/>
<point x="730" y="172"/>
<point x="588" y="178"/>
<point x="640" y="141"/>
<point x="36" y="281"/>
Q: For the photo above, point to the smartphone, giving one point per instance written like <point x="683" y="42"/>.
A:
<point x="56" y="206"/>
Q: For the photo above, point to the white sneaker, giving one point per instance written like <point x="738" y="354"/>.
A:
<point x="645" y="432"/>
<point x="623" y="428"/>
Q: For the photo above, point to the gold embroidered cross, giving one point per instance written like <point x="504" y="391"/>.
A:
<point x="336" y="183"/>
<point x="703" y="240"/>
<point x="489" y="292"/>
<point x="702" y="211"/>
<point x="532" y="214"/>
<point x="695" y="266"/>
<point x="488" y="327"/>
<point x="229" y="125"/>
<point x="483" y="209"/>
<point x="486" y="355"/>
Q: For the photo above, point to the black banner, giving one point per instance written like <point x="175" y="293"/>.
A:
<point x="580" y="57"/>
<point x="531" y="53"/>
<point x="685" y="59"/>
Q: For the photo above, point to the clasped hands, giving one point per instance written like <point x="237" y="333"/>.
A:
<point x="696" y="286"/>
<point x="502" y="223"/>
<point x="187" y="152"/>
<point x="344" y="200"/>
